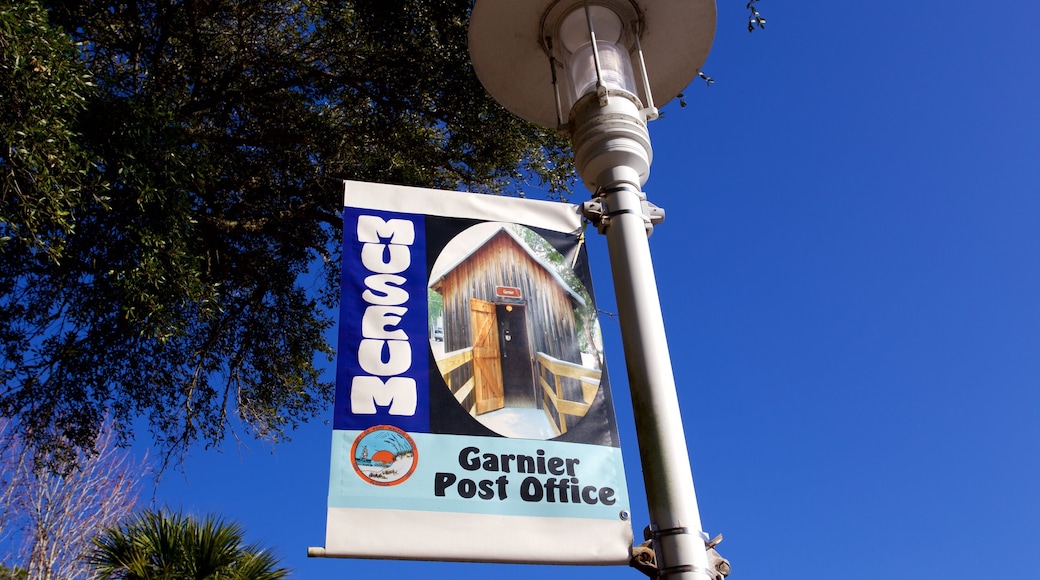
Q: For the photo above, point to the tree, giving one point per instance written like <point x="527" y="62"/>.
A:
<point x="176" y="282"/>
<point x="47" y="518"/>
<point x="172" y="546"/>
<point x="170" y="211"/>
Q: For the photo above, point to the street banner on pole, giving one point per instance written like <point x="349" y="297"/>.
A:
<point x="473" y="418"/>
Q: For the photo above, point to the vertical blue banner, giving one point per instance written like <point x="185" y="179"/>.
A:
<point x="383" y="366"/>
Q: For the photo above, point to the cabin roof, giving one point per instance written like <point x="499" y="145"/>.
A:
<point x="434" y="283"/>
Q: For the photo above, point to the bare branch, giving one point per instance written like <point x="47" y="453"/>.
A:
<point x="55" y="513"/>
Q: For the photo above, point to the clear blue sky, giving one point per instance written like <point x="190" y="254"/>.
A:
<point x="849" y="274"/>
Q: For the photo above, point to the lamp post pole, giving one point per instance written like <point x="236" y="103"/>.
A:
<point x="613" y="158"/>
<point x="519" y="51"/>
<point x="674" y="516"/>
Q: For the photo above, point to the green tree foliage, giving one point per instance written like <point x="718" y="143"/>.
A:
<point x="44" y="178"/>
<point x="586" y="316"/>
<point x="755" y="20"/>
<point x="172" y="546"/>
<point x="43" y="89"/>
<point x="168" y="188"/>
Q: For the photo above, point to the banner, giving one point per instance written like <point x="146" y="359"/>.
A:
<point x="473" y="418"/>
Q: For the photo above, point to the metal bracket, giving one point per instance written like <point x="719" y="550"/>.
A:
<point x="644" y="556"/>
<point x="598" y="210"/>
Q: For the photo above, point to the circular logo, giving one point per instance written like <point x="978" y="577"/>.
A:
<point x="384" y="455"/>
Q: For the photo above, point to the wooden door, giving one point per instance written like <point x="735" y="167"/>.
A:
<point x="487" y="368"/>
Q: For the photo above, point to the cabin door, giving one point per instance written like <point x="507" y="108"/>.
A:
<point x="517" y="358"/>
<point x="487" y="368"/>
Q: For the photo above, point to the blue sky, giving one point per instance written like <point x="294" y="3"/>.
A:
<point x="848" y="272"/>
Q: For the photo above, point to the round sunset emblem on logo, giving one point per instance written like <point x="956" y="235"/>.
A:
<point x="384" y="455"/>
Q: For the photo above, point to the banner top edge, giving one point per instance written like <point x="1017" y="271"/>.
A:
<point x="461" y="204"/>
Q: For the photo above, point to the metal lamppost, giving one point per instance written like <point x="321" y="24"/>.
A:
<point x="592" y="68"/>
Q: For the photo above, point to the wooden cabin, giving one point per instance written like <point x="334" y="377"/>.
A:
<point x="508" y="313"/>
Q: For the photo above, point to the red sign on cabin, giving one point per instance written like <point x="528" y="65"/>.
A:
<point x="507" y="292"/>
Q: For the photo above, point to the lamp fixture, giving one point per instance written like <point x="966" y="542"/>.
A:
<point x="592" y="69"/>
<point x="518" y="48"/>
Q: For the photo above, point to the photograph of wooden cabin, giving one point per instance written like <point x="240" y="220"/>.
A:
<point x="519" y="347"/>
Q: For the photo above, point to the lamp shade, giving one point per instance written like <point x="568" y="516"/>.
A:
<point x="512" y="61"/>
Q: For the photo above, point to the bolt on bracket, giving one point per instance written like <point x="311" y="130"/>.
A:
<point x="599" y="210"/>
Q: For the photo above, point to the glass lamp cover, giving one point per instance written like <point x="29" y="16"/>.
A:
<point x="615" y="63"/>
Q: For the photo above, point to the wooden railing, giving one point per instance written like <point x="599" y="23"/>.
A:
<point x="451" y="361"/>
<point x="552" y="392"/>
